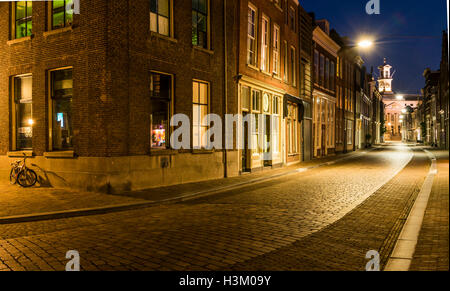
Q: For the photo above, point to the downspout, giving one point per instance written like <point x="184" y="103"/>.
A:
<point x="225" y="87"/>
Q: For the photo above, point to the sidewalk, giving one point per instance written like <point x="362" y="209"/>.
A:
<point x="35" y="204"/>
<point x="432" y="250"/>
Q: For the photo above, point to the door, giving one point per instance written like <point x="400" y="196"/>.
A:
<point x="245" y="149"/>
<point x="324" y="141"/>
<point x="267" y="143"/>
<point x="307" y="141"/>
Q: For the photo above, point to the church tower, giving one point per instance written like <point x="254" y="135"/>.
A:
<point x="385" y="79"/>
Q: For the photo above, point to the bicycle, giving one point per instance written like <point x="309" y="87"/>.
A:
<point x="21" y="174"/>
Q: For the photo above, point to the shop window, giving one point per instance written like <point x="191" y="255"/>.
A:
<point x="61" y="107"/>
<point x="22" y="113"/>
<point x="256" y="101"/>
<point x="160" y="100"/>
<point x="200" y="111"/>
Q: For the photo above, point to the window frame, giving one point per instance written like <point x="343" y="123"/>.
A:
<point x="170" y="20"/>
<point x="170" y="113"/>
<point x="50" y="107"/>
<point x="208" y="85"/>
<point x="13" y="112"/>
<point x="253" y="39"/>
<point x="293" y="61"/>
<point x="208" y="26"/>
<point x="14" y="20"/>
<point x="265" y="43"/>
<point x="50" y="11"/>
<point x="276" y="50"/>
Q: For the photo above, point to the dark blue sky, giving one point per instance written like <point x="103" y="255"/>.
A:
<point x="399" y="19"/>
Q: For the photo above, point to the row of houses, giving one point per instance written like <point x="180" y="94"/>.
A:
<point x="432" y="114"/>
<point x="90" y="96"/>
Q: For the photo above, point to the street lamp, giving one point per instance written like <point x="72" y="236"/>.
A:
<point x="365" y="43"/>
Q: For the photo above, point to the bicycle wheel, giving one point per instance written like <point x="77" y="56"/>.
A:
<point x="27" y="178"/>
<point x="13" y="176"/>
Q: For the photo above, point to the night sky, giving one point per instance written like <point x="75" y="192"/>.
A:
<point x="398" y="21"/>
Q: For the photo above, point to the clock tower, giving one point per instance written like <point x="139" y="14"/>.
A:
<point x="385" y="79"/>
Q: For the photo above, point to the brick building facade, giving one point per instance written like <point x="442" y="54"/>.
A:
<point x="102" y="85"/>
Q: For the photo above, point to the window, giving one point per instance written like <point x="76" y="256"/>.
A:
<point x="256" y="101"/>
<point x="61" y="109"/>
<point x="200" y="23"/>
<point x="293" y="67"/>
<point x="286" y="67"/>
<point x="316" y="67"/>
<point x="22" y="19"/>
<point x="276" y="50"/>
<point x="265" y="44"/>
<point x="160" y="100"/>
<point x="200" y="92"/>
<point x="251" y="36"/>
<point x="322" y="71"/>
<point x="292" y="129"/>
<point x="22" y="113"/>
<point x="327" y="73"/>
<point x="276" y="124"/>
<point x="245" y="98"/>
<point x="160" y="14"/>
<point x="62" y="13"/>
<point x="292" y="23"/>
<point x="332" y="76"/>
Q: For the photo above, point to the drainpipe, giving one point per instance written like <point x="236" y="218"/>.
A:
<point x="225" y="87"/>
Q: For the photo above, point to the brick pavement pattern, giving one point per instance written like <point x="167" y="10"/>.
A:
<point x="232" y="230"/>
<point x="432" y="249"/>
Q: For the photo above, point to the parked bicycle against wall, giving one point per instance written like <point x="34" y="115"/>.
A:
<point x="21" y="174"/>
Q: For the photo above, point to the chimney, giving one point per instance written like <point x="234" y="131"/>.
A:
<point x="324" y="25"/>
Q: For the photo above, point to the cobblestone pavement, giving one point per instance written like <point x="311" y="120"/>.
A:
<point x="15" y="200"/>
<point x="432" y="249"/>
<point x="264" y="226"/>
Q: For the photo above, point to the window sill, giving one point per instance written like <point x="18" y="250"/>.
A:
<point x="60" y="155"/>
<point x="202" y="152"/>
<point x="164" y="37"/>
<point x="208" y="51"/>
<point x="18" y="40"/>
<point x="168" y="152"/>
<point x="252" y="67"/>
<point x="20" y="154"/>
<point x="57" y="31"/>
<point x="266" y="73"/>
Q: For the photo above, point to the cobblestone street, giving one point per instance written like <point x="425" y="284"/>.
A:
<point x="326" y="218"/>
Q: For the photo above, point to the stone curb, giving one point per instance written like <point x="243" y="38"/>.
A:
<point x="140" y="205"/>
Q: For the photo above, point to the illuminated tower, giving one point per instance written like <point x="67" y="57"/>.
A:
<point x="385" y="78"/>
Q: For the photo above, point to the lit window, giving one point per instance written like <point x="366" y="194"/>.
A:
<point x="265" y="45"/>
<point x="276" y="50"/>
<point x="251" y="37"/>
<point x="160" y="99"/>
<point x="23" y="113"/>
<point x="62" y="13"/>
<point x="200" y="23"/>
<point x="22" y="26"/>
<point x="293" y="67"/>
<point x="200" y="92"/>
<point x="160" y="16"/>
<point x="61" y="107"/>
